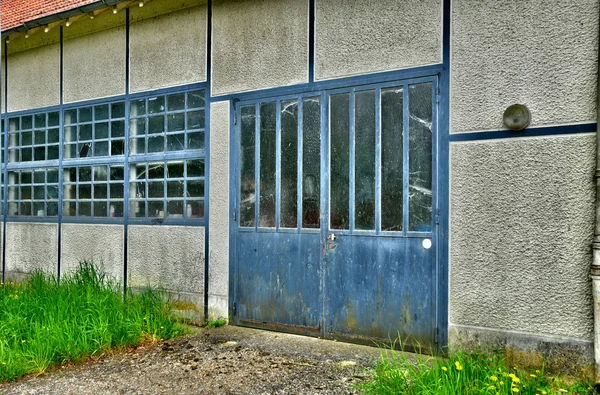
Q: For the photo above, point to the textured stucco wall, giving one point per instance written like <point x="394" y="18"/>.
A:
<point x="168" y="50"/>
<point x="259" y="44"/>
<point x="101" y="244"/>
<point x="539" y="53"/>
<point x="522" y="214"/>
<point x="34" y="78"/>
<point x="218" y="245"/>
<point x="168" y="256"/>
<point x="358" y="37"/>
<point x="94" y="65"/>
<point x="31" y="246"/>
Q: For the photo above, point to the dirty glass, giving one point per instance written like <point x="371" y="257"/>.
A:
<point x="420" y="157"/>
<point x="339" y="120"/>
<point x="364" y="162"/>
<point x="392" y="126"/>
<point x="247" y="168"/>
<point x="289" y="164"/>
<point x="268" y="148"/>
<point x="90" y="192"/>
<point x="311" y="162"/>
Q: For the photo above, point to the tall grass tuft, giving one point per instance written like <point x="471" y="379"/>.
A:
<point x="44" y="322"/>
<point x="463" y="373"/>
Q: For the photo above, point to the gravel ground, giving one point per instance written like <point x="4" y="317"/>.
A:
<point x="227" y="360"/>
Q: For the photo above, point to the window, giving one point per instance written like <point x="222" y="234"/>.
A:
<point x="33" y="192"/>
<point x="93" y="191"/>
<point x="33" y="137"/>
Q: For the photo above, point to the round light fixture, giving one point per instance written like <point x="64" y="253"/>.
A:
<point x="516" y="117"/>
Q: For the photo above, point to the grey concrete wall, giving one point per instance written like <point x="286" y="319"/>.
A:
<point x="34" y="78"/>
<point x="358" y="37"/>
<point x="29" y="247"/>
<point x="168" y="50"/>
<point x="259" y="44"/>
<point x="101" y="244"/>
<point x="168" y="256"/>
<point x="522" y="213"/>
<point x="218" y="244"/>
<point x="539" y="53"/>
<point x="94" y="65"/>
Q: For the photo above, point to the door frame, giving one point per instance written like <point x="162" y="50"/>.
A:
<point x="441" y="203"/>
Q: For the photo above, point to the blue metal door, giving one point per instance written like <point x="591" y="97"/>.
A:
<point x="335" y="232"/>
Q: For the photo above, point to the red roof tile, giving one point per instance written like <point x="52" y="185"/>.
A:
<point x="15" y="12"/>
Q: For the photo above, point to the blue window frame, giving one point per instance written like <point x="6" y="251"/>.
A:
<point x="139" y="158"/>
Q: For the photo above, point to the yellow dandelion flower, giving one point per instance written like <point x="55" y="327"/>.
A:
<point x="532" y="375"/>
<point x="494" y="378"/>
<point x="516" y="380"/>
<point x="515" y="390"/>
<point x="23" y="341"/>
<point x="458" y="365"/>
<point x="3" y="363"/>
<point x="491" y="387"/>
<point x="444" y="368"/>
<point x="544" y="393"/>
<point x="501" y="383"/>
<point x="537" y="371"/>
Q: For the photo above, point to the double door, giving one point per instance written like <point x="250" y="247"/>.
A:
<point x="335" y="213"/>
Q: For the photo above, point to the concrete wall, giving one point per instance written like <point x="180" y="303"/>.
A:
<point x="521" y="227"/>
<point x="218" y="244"/>
<point x="168" y="256"/>
<point x="539" y="53"/>
<point x="101" y="244"/>
<point x="259" y="44"/>
<point x="94" y="65"/>
<point x="359" y="37"/>
<point x="30" y="247"/>
<point x="167" y="50"/>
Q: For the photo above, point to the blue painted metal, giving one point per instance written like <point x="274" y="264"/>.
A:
<point x="126" y="159"/>
<point x="405" y="153"/>
<point x="365" y="285"/>
<point x="278" y="165"/>
<point x="311" y="40"/>
<point x="4" y="171"/>
<point x="378" y="156"/>
<point x="530" y="132"/>
<point x="207" y="146"/>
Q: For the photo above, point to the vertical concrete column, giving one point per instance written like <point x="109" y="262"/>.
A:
<point x="218" y="255"/>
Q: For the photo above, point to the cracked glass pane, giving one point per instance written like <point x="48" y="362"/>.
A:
<point x="289" y="164"/>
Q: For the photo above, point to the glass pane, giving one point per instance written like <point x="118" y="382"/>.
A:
<point x="156" y="209"/>
<point x="85" y="174"/>
<point x="100" y="191"/>
<point x="175" y="169"/>
<point x="420" y="157"/>
<point x="247" y="168"/>
<point x="100" y="173"/>
<point x="116" y="191"/>
<point x="195" y="168"/>
<point x="195" y="99"/>
<point x="392" y="131"/>
<point x="175" y="209"/>
<point x="53" y="119"/>
<point x="175" y="142"/>
<point x="40" y="153"/>
<point x="85" y="114"/>
<point x="137" y="146"/>
<point x="85" y="209"/>
<point x="100" y="209"/>
<point x="195" y="189"/>
<point x="156" y="124"/>
<point x="85" y="132"/>
<point x="39" y="137"/>
<point x="156" y="190"/>
<point x="101" y="130"/>
<point x="364" y="162"/>
<point x="101" y="148"/>
<point x="40" y="121"/>
<point x="267" y="165"/>
<point x="156" y="170"/>
<point x="117" y="110"/>
<point x="138" y="107"/>
<point x="156" y="104"/>
<point x="101" y="112"/>
<point x="53" y="135"/>
<point x="195" y="119"/>
<point x="311" y="162"/>
<point x="70" y="117"/>
<point x="156" y="144"/>
<point x="138" y="209"/>
<point x="195" y="209"/>
<point x="289" y="164"/>
<point x="26" y="123"/>
<point x="117" y="147"/>
<point x="176" y="122"/>
<point x="339" y="125"/>
<point x="195" y="140"/>
<point x="137" y="127"/>
<point x="53" y="152"/>
<point x="176" y="102"/>
<point x="26" y="139"/>
<point x="175" y="189"/>
<point x="117" y="173"/>
<point x="117" y="129"/>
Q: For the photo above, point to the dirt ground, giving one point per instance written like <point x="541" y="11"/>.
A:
<point x="226" y="360"/>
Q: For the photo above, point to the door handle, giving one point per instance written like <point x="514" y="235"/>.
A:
<point x="331" y="237"/>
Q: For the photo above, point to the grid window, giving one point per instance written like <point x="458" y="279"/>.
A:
<point x="93" y="191"/>
<point x="172" y="189"/>
<point x="167" y="123"/>
<point x="95" y="131"/>
<point x="33" y="193"/>
<point x="33" y="137"/>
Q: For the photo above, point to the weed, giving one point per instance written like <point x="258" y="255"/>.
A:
<point x="211" y="324"/>
<point x="44" y="322"/>
<point x="462" y="373"/>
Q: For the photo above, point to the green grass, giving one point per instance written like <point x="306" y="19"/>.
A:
<point x="212" y="324"/>
<point x="45" y="323"/>
<point x="463" y="373"/>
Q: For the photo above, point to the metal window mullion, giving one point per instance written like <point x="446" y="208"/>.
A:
<point x="125" y="163"/>
<point x="277" y="165"/>
<point x="257" y="167"/>
<point x="405" y="162"/>
<point x="164" y="180"/>
<point x="378" y="166"/>
<point x="300" y="147"/>
<point x="352" y="186"/>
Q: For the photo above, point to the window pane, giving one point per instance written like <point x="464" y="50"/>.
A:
<point x="420" y="157"/>
<point x="138" y="107"/>
<point x="311" y="162"/>
<point x="289" y="164"/>
<point x="101" y="130"/>
<point x="195" y="140"/>
<point x="195" y="99"/>
<point x="156" y="105"/>
<point x="392" y="131"/>
<point x="176" y="102"/>
<point x="117" y="110"/>
<point x="195" y="119"/>
<point x="339" y="120"/>
<point x="176" y="122"/>
<point x="364" y="162"/>
<point x="267" y="165"/>
<point x="195" y="168"/>
<point x="101" y="112"/>
<point x="247" y="166"/>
